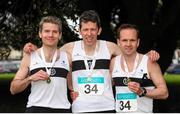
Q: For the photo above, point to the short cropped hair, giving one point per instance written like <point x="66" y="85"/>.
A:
<point x="50" y="19"/>
<point x="127" y="26"/>
<point x="90" y="15"/>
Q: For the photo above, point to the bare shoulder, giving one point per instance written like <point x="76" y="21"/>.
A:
<point x="154" y="69"/>
<point x="112" y="63"/>
<point x="67" y="47"/>
<point x="69" y="58"/>
<point x="70" y="44"/>
<point x="111" y="43"/>
<point x="24" y="67"/>
<point x="113" y="48"/>
<point x="152" y="64"/>
<point x="26" y="60"/>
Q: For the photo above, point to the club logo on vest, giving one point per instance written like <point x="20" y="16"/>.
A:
<point x="145" y="76"/>
<point x="53" y="72"/>
<point x="35" y="63"/>
<point x="63" y="63"/>
<point x="77" y="54"/>
<point x="125" y="81"/>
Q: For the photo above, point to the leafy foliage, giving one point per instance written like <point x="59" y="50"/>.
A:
<point x="19" y="20"/>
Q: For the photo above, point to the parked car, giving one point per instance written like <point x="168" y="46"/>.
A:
<point x="174" y="69"/>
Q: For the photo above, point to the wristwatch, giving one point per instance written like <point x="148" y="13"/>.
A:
<point x="143" y="92"/>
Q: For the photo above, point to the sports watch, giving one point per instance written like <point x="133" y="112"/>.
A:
<point x="143" y="92"/>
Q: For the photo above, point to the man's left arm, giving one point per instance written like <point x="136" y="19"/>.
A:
<point x="160" y="91"/>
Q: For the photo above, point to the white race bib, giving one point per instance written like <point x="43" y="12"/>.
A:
<point x="126" y="102"/>
<point x="91" y="85"/>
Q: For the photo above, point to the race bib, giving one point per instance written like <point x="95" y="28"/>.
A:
<point x="126" y="102"/>
<point x="91" y="86"/>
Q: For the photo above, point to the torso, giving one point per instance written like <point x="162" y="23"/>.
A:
<point x="94" y="94"/>
<point x="127" y="101"/>
<point x="53" y="94"/>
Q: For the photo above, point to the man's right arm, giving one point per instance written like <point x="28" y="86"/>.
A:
<point x="113" y="48"/>
<point x="68" y="48"/>
<point x="21" y="79"/>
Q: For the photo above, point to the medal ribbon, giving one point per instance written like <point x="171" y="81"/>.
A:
<point x="51" y="64"/>
<point x="134" y="67"/>
<point x="86" y="57"/>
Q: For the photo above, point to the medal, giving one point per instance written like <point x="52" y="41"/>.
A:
<point x="128" y="80"/>
<point x="49" y="73"/>
<point x="134" y="67"/>
<point x="48" y="80"/>
<point x="90" y="62"/>
<point x="51" y="65"/>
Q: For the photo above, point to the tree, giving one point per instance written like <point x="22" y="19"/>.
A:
<point x="19" y="20"/>
<point x="158" y="23"/>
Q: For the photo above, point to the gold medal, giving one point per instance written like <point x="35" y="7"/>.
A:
<point x="128" y="79"/>
<point x="48" y="80"/>
<point x="51" y="64"/>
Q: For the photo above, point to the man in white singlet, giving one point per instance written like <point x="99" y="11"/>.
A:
<point x="137" y="80"/>
<point x="90" y="67"/>
<point x="46" y="69"/>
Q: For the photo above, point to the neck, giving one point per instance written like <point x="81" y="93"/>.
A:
<point x="49" y="53"/>
<point x="131" y="61"/>
<point x="90" y="50"/>
<point x="130" y="58"/>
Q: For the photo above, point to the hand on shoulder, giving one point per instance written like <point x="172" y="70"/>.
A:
<point x="28" y="48"/>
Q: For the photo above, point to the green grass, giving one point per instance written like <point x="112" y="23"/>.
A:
<point x="6" y="76"/>
<point x="172" y="79"/>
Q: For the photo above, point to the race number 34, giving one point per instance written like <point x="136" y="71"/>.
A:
<point x="90" y="88"/>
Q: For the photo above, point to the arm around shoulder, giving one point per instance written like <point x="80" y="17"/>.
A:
<point x="113" y="48"/>
<point x="67" y="47"/>
<point x="112" y="65"/>
<point x="28" y="48"/>
<point x="160" y="91"/>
